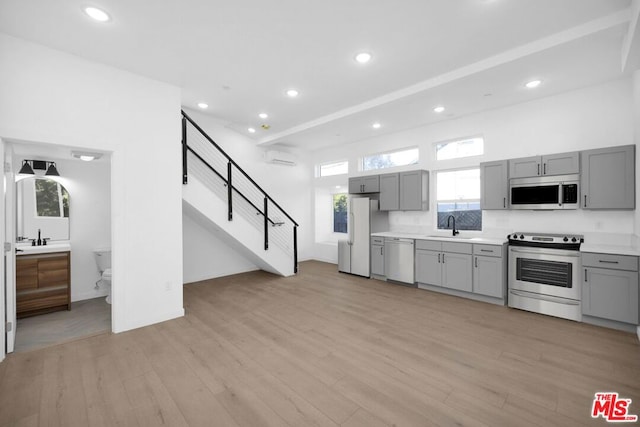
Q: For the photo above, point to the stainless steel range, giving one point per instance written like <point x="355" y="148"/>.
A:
<point x="544" y="274"/>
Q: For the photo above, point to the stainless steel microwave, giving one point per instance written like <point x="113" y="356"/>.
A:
<point x="545" y="192"/>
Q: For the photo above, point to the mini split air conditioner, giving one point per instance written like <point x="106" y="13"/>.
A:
<point x="280" y="158"/>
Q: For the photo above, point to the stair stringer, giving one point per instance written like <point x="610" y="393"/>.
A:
<point x="204" y="205"/>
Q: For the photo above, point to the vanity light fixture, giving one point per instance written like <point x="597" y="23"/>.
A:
<point x="28" y="167"/>
<point x="86" y="156"/>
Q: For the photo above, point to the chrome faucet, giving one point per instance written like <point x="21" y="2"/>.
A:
<point x="454" y="231"/>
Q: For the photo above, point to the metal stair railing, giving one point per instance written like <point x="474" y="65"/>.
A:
<point x="242" y="192"/>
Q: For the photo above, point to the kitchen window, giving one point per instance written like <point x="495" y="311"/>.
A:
<point x="458" y="194"/>
<point x="391" y="159"/>
<point x="460" y="148"/>
<point x="340" y="213"/>
<point x="333" y="168"/>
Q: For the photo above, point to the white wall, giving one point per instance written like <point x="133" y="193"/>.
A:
<point x="206" y="256"/>
<point x="289" y="186"/>
<point x="56" y="98"/>
<point x="593" y="117"/>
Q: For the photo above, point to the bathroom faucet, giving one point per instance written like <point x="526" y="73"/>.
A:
<point x="454" y="231"/>
<point x="40" y="240"/>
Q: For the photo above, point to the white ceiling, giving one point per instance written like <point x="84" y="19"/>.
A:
<point x="241" y="56"/>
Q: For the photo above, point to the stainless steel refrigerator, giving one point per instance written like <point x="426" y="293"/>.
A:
<point x="364" y="218"/>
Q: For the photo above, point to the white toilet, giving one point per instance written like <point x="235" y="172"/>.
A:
<point x="103" y="259"/>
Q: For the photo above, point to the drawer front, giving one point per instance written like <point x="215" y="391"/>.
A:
<point x="40" y="300"/>
<point x="487" y="250"/>
<point x="26" y="274"/>
<point x="459" y="248"/>
<point x="615" y="262"/>
<point x="430" y="245"/>
<point x="377" y="240"/>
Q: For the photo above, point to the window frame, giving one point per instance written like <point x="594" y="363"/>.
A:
<point x="333" y="162"/>
<point x="399" y="150"/>
<point x="437" y="200"/>
<point x="461" y="139"/>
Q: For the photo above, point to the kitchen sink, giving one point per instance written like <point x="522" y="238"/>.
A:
<point x="450" y="237"/>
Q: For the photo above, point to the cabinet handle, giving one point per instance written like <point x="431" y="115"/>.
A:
<point x="438" y="258"/>
<point x="607" y="262"/>
<point x="538" y="168"/>
<point x="585" y="200"/>
<point x="381" y="250"/>
<point x="443" y="258"/>
<point x="544" y="169"/>
<point x="504" y="202"/>
<point x="585" y="274"/>
<point x="486" y="250"/>
<point x="476" y="262"/>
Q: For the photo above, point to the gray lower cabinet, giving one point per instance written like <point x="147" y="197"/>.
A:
<point x="364" y="184"/>
<point x="608" y="178"/>
<point x="489" y="270"/>
<point x="494" y="185"/>
<point x="377" y="256"/>
<point x="446" y="264"/>
<point x="610" y="287"/>
<point x="457" y="271"/>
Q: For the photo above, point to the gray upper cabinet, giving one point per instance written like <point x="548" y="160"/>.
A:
<point x="524" y="167"/>
<point x="551" y="164"/>
<point x="561" y="164"/>
<point x="390" y="192"/>
<point x="608" y="178"/>
<point x="414" y="191"/>
<point x="364" y="184"/>
<point x="494" y="185"/>
<point x="404" y="191"/>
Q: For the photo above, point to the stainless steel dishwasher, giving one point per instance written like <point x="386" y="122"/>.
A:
<point x="398" y="259"/>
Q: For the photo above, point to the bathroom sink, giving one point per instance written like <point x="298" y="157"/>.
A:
<point x="27" y="249"/>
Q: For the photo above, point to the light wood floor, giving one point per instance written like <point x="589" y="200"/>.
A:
<point x="88" y="317"/>
<point x="325" y="349"/>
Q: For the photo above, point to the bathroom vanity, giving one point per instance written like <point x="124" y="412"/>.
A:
<point x="43" y="280"/>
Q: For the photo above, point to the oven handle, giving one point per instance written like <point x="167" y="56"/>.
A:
<point x="546" y="252"/>
<point x="544" y="297"/>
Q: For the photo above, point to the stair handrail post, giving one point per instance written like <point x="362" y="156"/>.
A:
<point x="295" y="249"/>
<point x="229" y="191"/>
<point x="266" y="224"/>
<point x="184" y="151"/>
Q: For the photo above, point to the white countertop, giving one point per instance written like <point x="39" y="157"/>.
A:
<point x="27" y="249"/>
<point x="443" y="237"/>
<point x="610" y="249"/>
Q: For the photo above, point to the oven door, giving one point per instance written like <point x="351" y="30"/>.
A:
<point x="552" y="272"/>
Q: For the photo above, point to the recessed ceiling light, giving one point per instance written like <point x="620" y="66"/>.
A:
<point x="376" y="125"/>
<point x="439" y="109"/>
<point x="363" y="57"/>
<point x="533" y="84"/>
<point x="251" y="130"/>
<point x="203" y="105"/>
<point x="292" y="93"/>
<point x="263" y="115"/>
<point x="97" y="14"/>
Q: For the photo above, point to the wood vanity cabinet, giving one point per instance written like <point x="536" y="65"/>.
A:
<point x="43" y="283"/>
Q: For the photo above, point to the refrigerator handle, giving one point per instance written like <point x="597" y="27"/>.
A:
<point x="351" y="226"/>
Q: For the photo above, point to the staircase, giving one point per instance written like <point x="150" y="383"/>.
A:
<point x="224" y="198"/>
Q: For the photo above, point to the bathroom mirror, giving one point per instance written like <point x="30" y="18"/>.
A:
<point x="42" y="203"/>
